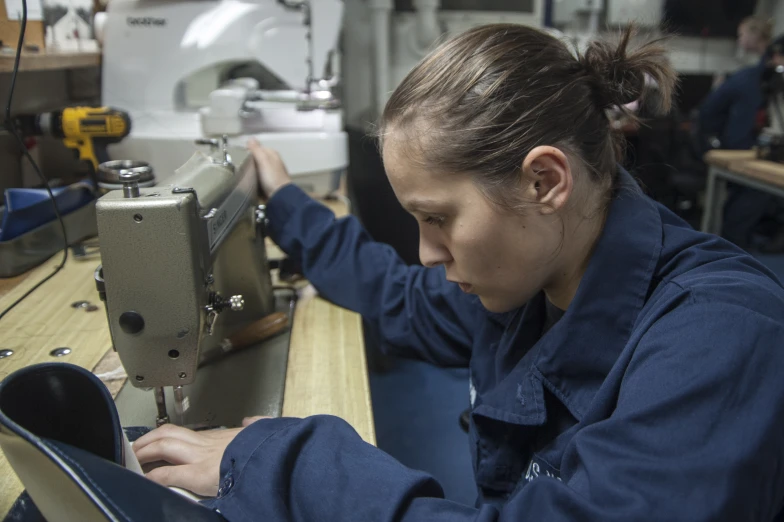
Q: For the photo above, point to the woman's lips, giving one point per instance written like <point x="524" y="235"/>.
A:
<point x="465" y="287"/>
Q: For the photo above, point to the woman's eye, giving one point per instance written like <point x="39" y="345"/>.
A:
<point x="433" y="220"/>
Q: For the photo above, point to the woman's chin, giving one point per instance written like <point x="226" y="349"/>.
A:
<point x="503" y="302"/>
<point x="495" y="305"/>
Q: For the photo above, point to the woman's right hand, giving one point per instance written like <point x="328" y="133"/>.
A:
<point x="269" y="167"/>
<point x="194" y="457"/>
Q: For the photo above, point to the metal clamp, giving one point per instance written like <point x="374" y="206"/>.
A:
<point x="130" y="183"/>
<point x="292" y="4"/>
<point x="112" y="173"/>
<point x="247" y="111"/>
<point x="223" y="146"/>
<point x="212" y="316"/>
<point x="260" y="217"/>
<point x="217" y="304"/>
<point x="188" y="190"/>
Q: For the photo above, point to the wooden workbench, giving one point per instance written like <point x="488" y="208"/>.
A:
<point x="768" y="172"/>
<point x="723" y="158"/>
<point x="51" y="60"/>
<point x="327" y="369"/>
<point x="741" y="167"/>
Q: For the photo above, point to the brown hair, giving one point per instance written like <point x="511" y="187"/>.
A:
<point x="761" y="27"/>
<point x="480" y="102"/>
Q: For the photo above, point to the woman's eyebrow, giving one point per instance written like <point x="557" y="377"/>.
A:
<point x="415" y="204"/>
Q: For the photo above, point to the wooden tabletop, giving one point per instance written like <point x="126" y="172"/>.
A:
<point x="327" y="369"/>
<point x="9" y="283"/>
<point x="745" y="163"/>
<point x="723" y="158"/>
<point x="766" y="171"/>
<point x="51" y="60"/>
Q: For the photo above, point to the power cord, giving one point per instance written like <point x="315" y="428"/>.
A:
<point x="11" y="127"/>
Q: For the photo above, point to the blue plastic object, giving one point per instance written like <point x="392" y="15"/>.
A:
<point x="26" y="209"/>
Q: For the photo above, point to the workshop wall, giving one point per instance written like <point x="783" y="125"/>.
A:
<point x="776" y="10"/>
<point x="41" y="91"/>
<point x="690" y="55"/>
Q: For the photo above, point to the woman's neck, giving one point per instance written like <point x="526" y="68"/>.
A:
<point x="580" y="238"/>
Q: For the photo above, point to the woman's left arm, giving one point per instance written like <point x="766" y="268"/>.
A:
<point x="697" y="435"/>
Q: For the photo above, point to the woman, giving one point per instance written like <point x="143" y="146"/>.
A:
<point x="624" y="367"/>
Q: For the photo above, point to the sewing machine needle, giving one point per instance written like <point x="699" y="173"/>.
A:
<point x="160" y="402"/>
<point x="180" y="405"/>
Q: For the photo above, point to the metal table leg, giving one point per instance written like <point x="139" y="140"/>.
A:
<point x="720" y="197"/>
<point x="710" y="202"/>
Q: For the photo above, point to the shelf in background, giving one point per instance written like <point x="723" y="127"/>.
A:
<point x="49" y="61"/>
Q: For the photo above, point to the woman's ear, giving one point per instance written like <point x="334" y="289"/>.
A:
<point x="549" y="175"/>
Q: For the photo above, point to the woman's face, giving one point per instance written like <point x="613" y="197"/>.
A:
<point x="748" y="41"/>
<point x="504" y="258"/>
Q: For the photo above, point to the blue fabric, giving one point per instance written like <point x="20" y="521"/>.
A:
<point x="658" y="396"/>
<point x="27" y="209"/>
<point x="730" y="111"/>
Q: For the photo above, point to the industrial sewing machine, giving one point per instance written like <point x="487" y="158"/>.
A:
<point x="185" y="70"/>
<point x="184" y="268"/>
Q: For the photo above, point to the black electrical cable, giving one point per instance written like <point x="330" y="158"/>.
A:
<point x="11" y="127"/>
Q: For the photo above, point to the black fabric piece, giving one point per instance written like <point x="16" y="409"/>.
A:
<point x="24" y="510"/>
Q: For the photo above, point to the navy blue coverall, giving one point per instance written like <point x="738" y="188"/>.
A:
<point x="659" y="396"/>
<point x="730" y="114"/>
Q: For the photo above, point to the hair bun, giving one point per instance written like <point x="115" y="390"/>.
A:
<point x="618" y="74"/>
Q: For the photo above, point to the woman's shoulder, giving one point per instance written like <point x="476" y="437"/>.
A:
<point x="705" y="271"/>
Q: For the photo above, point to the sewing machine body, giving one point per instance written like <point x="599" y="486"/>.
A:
<point x="185" y="70"/>
<point x="184" y="267"/>
<point x="178" y="68"/>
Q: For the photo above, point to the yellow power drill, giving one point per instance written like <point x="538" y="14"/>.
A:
<point x="88" y="130"/>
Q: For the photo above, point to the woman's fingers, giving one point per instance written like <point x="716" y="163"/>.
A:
<point x="194" y="478"/>
<point x="173" y="451"/>
<point x="208" y="436"/>
<point x="195" y="456"/>
<point x="261" y="154"/>
<point x="167" y="431"/>
<point x="271" y="171"/>
<point x="255" y="148"/>
<point x="247" y="421"/>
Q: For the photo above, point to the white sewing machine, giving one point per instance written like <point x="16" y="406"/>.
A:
<point x="185" y="70"/>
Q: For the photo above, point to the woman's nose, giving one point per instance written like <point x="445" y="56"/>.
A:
<point x="432" y="253"/>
